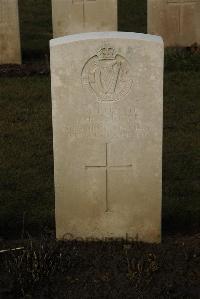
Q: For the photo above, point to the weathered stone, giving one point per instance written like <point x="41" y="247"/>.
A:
<point x="10" y="51"/>
<point x="177" y="21"/>
<point x="107" y="94"/>
<point x="77" y="16"/>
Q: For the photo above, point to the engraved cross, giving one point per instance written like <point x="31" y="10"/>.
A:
<point x="107" y="166"/>
<point x="82" y="2"/>
<point x="180" y="4"/>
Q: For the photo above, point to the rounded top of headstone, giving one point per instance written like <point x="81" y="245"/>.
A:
<point x="105" y="35"/>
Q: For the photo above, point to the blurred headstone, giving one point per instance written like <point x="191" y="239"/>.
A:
<point x="77" y="16"/>
<point x="177" y="21"/>
<point x="10" y="51"/>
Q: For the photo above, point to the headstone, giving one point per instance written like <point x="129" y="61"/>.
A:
<point x="77" y="16"/>
<point x="177" y="21"/>
<point x="107" y="95"/>
<point x="10" y="51"/>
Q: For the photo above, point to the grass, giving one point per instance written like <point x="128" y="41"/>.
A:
<point x="181" y="148"/>
<point x="26" y="156"/>
<point x="50" y="269"/>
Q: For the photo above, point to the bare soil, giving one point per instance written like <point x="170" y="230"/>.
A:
<point x="69" y="269"/>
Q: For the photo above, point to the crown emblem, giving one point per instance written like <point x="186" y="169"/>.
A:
<point x="106" y="53"/>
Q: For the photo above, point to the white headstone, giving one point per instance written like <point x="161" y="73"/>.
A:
<point x="177" y="21"/>
<point x="10" y="51"/>
<point x="77" y="16"/>
<point x="107" y="94"/>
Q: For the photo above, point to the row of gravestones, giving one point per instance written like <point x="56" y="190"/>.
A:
<point x="177" y="21"/>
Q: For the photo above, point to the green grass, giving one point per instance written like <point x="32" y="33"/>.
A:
<point x="27" y="189"/>
<point x="181" y="189"/>
<point x="26" y="156"/>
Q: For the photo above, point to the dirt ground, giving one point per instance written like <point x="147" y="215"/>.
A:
<point x="69" y="269"/>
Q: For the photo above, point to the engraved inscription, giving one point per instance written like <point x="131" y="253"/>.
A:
<point x="96" y="131"/>
<point x="107" y="166"/>
<point x="107" y="75"/>
<point x="98" y="124"/>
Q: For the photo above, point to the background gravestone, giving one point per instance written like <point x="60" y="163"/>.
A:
<point x="177" y="21"/>
<point x="10" y="51"/>
<point x="107" y="91"/>
<point x="76" y="16"/>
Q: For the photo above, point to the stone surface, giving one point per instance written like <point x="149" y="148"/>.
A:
<point x="107" y="94"/>
<point x="77" y="16"/>
<point x="177" y="21"/>
<point x="10" y="51"/>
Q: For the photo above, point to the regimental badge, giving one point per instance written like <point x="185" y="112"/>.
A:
<point x="107" y="75"/>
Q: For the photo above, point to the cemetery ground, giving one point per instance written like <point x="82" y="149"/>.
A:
<point x="45" y="268"/>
